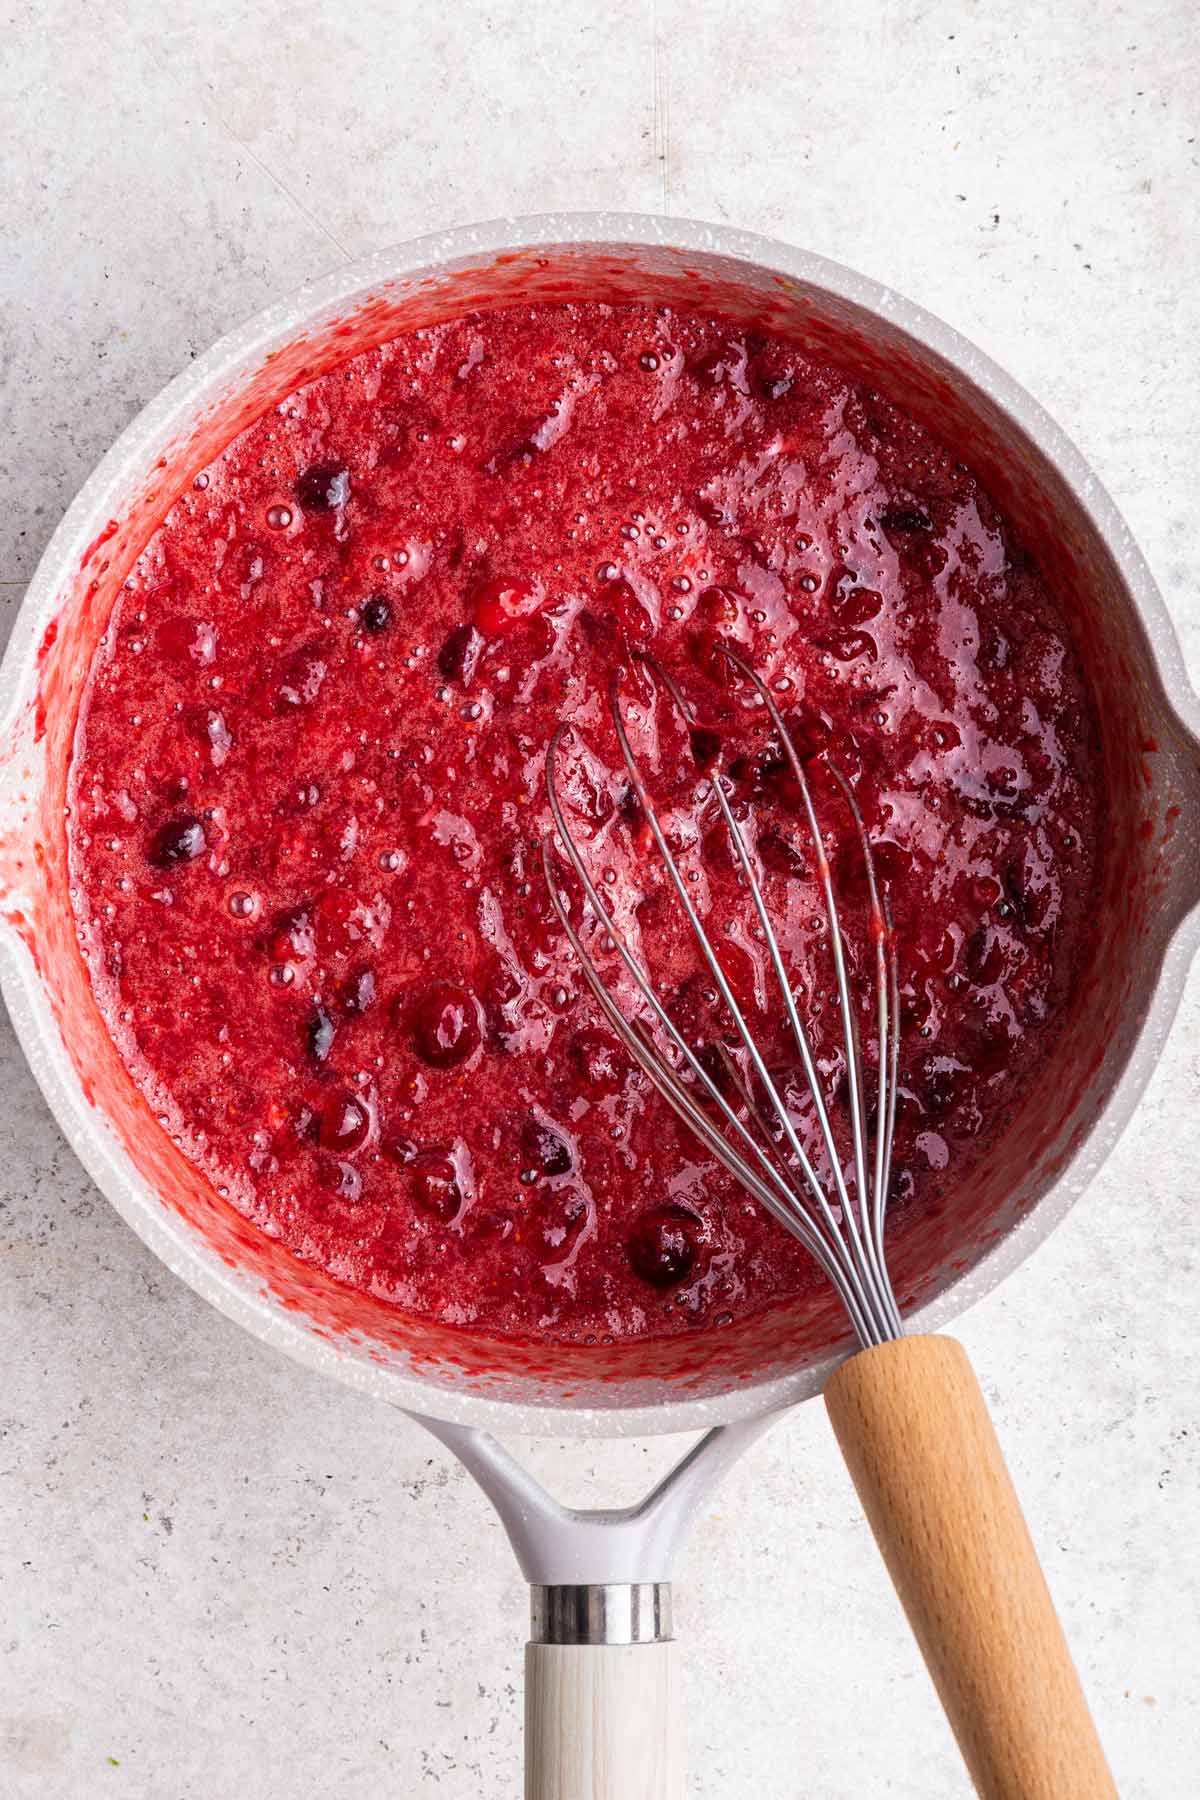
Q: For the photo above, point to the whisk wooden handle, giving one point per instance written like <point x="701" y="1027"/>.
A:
<point x="919" y="1443"/>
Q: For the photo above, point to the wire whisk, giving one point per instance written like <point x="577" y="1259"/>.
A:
<point x="839" y="1221"/>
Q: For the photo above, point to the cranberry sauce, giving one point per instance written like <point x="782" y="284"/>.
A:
<point x="309" y="802"/>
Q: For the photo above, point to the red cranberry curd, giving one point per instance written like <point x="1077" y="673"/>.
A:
<point x="308" y="802"/>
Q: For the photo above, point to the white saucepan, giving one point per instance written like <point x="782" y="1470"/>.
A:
<point x="600" y="1702"/>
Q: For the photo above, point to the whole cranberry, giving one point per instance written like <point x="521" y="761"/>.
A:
<point x="460" y="652"/>
<point x="771" y="380"/>
<point x="435" y="1184"/>
<point x="323" y="487"/>
<point x="319" y="1033"/>
<point x="663" y="1245"/>
<point x="723" y="363"/>
<point x="375" y="614"/>
<point x="357" y="992"/>
<point x="503" y="986"/>
<point x="180" y="840"/>
<point x="446" y="1025"/>
<point x="345" y="1123"/>
<point x="399" y="1149"/>
<point x="341" y="1179"/>
<point x="543" y="1149"/>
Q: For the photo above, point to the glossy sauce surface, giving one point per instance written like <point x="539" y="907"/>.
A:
<point x="309" y="802"/>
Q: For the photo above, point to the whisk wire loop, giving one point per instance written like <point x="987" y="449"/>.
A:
<point x="778" y="1197"/>
<point x="844" y="1235"/>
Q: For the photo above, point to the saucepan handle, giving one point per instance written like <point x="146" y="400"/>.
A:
<point x="602" y="1719"/>
<point x="918" y="1441"/>
<point x="602" y="1702"/>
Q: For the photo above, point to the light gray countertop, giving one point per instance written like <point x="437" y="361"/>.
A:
<point x="225" y="1579"/>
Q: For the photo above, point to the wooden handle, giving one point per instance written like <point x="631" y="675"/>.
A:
<point x="914" y="1429"/>
<point x="602" y="1722"/>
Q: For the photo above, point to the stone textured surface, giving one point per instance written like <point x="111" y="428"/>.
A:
<point x="224" y="1578"/>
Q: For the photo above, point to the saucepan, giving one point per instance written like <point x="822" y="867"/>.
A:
<point x="601" y="1700"/>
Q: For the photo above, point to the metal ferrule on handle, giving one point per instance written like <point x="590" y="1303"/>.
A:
<point x="622" y="1612"/>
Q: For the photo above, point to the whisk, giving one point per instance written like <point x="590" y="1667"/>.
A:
<point x="845" y="1237"/>
<point x="908" y="1411"/>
